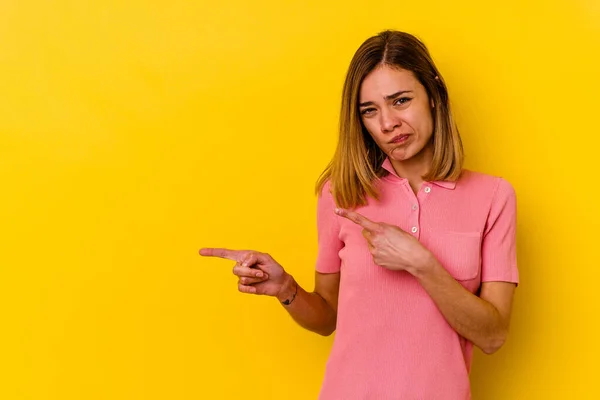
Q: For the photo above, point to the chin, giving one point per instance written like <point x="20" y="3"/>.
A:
<point x="401" y="154"/>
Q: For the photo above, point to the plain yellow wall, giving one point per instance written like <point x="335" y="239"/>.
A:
<point x="134" y="132"/>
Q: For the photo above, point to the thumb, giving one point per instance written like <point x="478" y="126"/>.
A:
<point x="254" y="259"/>
<point x="264" y="262"/>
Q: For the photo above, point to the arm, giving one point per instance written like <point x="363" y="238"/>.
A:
<point x="317" y="310"/>
<point x="260" y="274"/>
<point x="483" y="320"/>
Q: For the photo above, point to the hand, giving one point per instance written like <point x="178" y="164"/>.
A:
<point x="391" y="247"/>
<point x="258" y="273"/>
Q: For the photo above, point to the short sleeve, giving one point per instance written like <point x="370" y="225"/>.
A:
<point x="328" y="228"/>
<point x="499" y="253"/>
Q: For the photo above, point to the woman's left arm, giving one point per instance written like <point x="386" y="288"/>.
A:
<point x="483" y="320"/>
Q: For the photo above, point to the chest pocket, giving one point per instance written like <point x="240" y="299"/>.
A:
<point x="459" y="253"/>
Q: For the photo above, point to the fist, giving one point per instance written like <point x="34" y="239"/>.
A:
<point x="390" y="246"/>
<point x="258" y="273"/>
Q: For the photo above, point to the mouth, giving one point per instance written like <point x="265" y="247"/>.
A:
<point x="399" y="139"/>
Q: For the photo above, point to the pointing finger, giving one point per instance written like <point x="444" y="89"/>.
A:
<point x="234" y="255"/>
<point x="358" y="219"/>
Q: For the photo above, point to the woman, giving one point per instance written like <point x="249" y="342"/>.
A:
<point x="418" y="263"/>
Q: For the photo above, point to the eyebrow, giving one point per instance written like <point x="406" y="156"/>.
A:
<point x="388" y="97"/>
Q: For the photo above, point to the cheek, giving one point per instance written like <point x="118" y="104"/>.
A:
<point x="422" y="121"/>
<point x="372" y="127"/>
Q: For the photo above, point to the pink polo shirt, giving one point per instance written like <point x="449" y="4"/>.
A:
<point x="391" y="340"/>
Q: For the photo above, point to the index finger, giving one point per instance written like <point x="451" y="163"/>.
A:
<point x="358" y="219"/>
<point x="234" y="255"/>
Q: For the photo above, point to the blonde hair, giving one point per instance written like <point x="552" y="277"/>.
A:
<point x="356" y="164"/>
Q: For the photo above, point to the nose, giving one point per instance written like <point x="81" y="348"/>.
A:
<point x="389" y="122"/>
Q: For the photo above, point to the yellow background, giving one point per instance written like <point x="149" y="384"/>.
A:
<point x="134" y="132"/>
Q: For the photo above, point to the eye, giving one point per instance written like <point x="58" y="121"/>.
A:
<point x="367" y="111"/>
<point x="402" y="100"/>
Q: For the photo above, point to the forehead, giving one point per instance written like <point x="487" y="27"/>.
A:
<point x="385" y="80"/>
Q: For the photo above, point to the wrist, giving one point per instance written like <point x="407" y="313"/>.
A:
<point x="288" y="289"/>
<point x="426" y="267"/>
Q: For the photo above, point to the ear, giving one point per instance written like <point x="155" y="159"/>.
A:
<point x="432" y="103"/>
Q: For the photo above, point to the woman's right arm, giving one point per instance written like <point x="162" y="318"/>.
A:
<point x="317" y="310"/>
<point x="259" y="273"/>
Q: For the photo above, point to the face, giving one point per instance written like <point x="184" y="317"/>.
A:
<point x="396" y="110"/>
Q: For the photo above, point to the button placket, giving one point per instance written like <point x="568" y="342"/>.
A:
<point x="414" y="215"/>
<point x="415" y="227"/>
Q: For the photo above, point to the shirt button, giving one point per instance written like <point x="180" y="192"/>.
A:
<point x="414" y="207"/>
<point x="414" y="229"/>
<point x="427" y="189"/>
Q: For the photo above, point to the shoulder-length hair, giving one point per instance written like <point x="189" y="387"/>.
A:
<point x="357" y="162"/>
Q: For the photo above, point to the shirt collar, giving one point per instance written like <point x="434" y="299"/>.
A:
<point x="387" y="165"/>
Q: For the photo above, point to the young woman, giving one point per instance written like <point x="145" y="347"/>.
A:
<point x="417" y="259"/>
